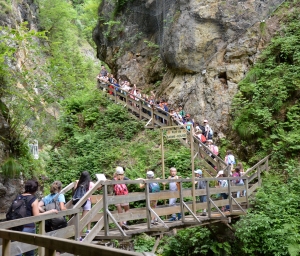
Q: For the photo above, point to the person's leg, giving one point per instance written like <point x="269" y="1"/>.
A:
<point x="203" y="199"/>
<point x="32" y="231"/>
<point x="87" y="207"/>
<point x="120" y="210"/>
<point x="126" y="209"/>
<point x="172" y="202"/>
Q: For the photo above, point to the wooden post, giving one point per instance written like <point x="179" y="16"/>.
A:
<point x="247" y="191"/>
<point x="50" y="252"/>
<point x="229" y="195"/>
<point x="105" y="208"/>
<point x="41" y="250"/>
<point x="181" y="202"/>
<point x="193" y="169"/>
<point x="6" y="247"/>
<point x="162" y="155"/>
<point x="140" y="108"/>
<point x="77" y="224"/>
<point x="148" y="213"/>
<point x="258" y="175"/>
<point x="208" y="199"/>
<point x="152" y="116"/>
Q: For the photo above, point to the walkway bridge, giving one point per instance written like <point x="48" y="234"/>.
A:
<point x="105" y="221"/>
<point x="156" y="117"/>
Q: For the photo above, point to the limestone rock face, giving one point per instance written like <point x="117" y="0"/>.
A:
<point x="205" y="48"/>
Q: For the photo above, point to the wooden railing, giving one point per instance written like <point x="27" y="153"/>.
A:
<point x="157" y="117"/>
<point x="101" y="216"/>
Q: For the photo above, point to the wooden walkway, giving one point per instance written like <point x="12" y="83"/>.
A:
<point x="155" y="118"/>
<point x="66" y="239"/>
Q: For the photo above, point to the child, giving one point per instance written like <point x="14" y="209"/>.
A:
<point x="122" y="188"/>
<point x="173" y="186"/>
<point x="201" y="185"/>
<point x="153" y="187"/>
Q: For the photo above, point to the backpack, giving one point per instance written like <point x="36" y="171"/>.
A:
<point x="78" y="194"/>
<point x="215" y="150"/>
<point x="203" y="138"/>
<point x="120" y="189"/>
<point x="190" y="124"/>
<point x="18" y="209"/>
<point x="55" y="223"/>
<point x="154" y="187"/>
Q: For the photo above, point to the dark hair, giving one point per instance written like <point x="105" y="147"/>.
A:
<point x="84" y="180"/>
<point x="31" y="186"/>
<point x="237" y="169"/>
<point x="56" y="187"/>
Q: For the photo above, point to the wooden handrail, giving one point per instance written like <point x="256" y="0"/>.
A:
<point x="157" y="112"/>
<point x="52" y="244"/>
<point x="95" y="214"/>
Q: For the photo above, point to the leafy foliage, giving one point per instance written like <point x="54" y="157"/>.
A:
<point x="267" y="108"/>
<point x="272" y="227"/>
<point x="193" y="241"/>
<point x="143" y="243"/>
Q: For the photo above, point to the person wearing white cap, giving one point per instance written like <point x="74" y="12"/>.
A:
<point x="153" y="188"/>
<point x="121" y="189"/>
<point x="201" y="184"/>
<point x="173" y="186"/>
<point x="223" y="184"/>
<point x="208" y="130"/>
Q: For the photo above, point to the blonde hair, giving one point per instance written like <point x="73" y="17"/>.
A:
<point x="56" y="187"/>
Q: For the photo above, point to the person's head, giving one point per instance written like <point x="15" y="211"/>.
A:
<point x="180" y="108"/>
<point x="209" y="142"/>
<point x="205" y="122"/>
<point x="119" y="173"/>
<point x="150" y="174"/>
<point x="102" y="67"/>
<point x="220" y="174"/>
<point x="187" y="116"/>
<point x="237" y="170"/>
<point x="229" y="152"/>
<point x="198" y="173"/>
<point x="84" y="180"/>
<point x="31" y="186"/>
<point x="173" y="171"/>
<point x="55" y="187"/>
<point x="240" y="165"/>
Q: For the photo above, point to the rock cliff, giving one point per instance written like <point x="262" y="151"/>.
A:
<point x="192" y="52"/>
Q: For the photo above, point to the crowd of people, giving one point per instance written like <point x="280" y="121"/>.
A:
<point x="201" y="131"/>
<point x="35" y="207"/>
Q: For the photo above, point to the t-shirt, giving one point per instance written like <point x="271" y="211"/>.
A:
<point x="48" y="199"/>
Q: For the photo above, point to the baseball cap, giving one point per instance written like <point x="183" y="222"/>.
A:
<point x="210" y="141"/>
<point x="220" y="173"/>
<point x="205" y="121"/>
<point x="119" y="170"/>
<point x="150" y="174"/>
<point x="198" y="171"/>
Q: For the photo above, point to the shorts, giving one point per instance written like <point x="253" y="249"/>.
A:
<point x="88" y="206"/>
<point x="124" y="204"/>
<point x="153" y="203"/>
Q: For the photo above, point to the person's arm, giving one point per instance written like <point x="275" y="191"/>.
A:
<point x="35" y="209"/>
<point x="41" y="204"/>
<point x="62" y="206"/>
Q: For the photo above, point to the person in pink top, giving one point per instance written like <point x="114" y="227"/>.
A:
<point x="85" y="180"/>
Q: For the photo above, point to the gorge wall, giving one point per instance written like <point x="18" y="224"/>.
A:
<point x="193" y="52"/>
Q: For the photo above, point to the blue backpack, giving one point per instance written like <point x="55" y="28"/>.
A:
<point x="154" y="187"/>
